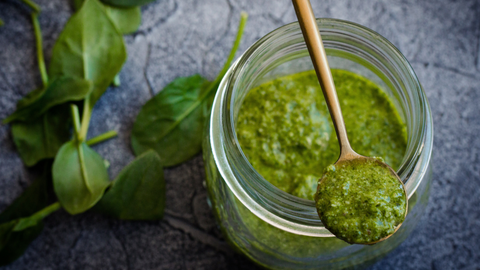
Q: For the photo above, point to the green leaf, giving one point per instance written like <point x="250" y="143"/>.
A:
<point x="33" y="220"/>
<point x="36" y="197"/>
<point x="138" y="192"/>
<point x="5" y="231"/>
<point x="127" y="3"/>
<point x="16" y="235"/>
<point x="171" y="123"/>
<point x="89" y="47"/>
<point x="57" y="92"/>
<point x="41" y="138"/>
<point x="1" y="23"/>
<point x="17" y="242"/>
<point x="127" y="20"/>
<point x="33" y="199"/>
<point x="13" y="244"/>
<point x="77" y="4"/>
<point x="79" y="177"/>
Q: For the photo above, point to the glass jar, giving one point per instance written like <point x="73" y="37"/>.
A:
<point x="278" y="230"/>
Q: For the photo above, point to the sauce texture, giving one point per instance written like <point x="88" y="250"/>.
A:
<point x="360" y="201"/>
<point x="284" y="128"/>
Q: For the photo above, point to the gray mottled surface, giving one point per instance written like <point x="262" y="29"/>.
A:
<point x="183" y="37"/>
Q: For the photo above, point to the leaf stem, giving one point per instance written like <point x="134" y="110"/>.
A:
<point x="83" y="168"/>
<point x="81" y="135"/>
<point x="102" y="137"/>
<point x="87" y="114"/>
<point x="236" y="44"/>
<point x="32" y="5"/>
<point x="38" y="39"/>
<point x="76" y="120"/>
<point x="33" y="220"/>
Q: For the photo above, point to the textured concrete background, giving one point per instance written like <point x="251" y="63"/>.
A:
<point x="183" y="37"/>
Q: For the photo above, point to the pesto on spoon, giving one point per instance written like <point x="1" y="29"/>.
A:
<point x="361" y="200"/>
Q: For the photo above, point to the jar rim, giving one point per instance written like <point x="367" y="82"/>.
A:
<point x="271" y="204"/>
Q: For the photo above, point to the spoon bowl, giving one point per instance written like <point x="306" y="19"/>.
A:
<point x="369" y="203"/>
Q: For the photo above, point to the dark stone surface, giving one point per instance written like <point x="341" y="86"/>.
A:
<point x="183" y="37"/>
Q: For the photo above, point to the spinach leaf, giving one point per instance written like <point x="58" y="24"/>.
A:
<point x="138" y="192"/>
<point x="59" y="91"/>
<point x="13" y="244"/>
<point x="127" y="3"/>
<point x="164" y="125"/>
<point x="127" y="20"/>
<point x="77" y="4"/>
<point x="36" y="197"/>
<point x="89" y="47"/>
<point x="41" y="138"/>
<point x="79" y="173"/>
<point x="33" y="220"/>
<point x="79" y="177"/>
<point x="16" y="235"/>
<point x="13" y="241"/>
<point x="171" y="123"/>
<point x="37" y="139"/>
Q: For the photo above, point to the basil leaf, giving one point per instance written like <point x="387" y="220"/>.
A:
<point x="89" y="47"/>
<point x="127" y="3"/>
<point x="41" y="138"/>
<point x="59" y="91"/>
<point x="79" y="177"/>
<point x="138" y="192"/>
<point x="127" y="20"/>
<point x="171" y="123"/>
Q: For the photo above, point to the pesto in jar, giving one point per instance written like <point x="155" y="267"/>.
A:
<point x="360" y="201"/>
<point x="284" y="128"/>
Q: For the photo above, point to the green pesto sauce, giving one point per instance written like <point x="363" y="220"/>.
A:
<point x="284" y="128"/>
<point x="360" y="201"/>
<point x="274" y="241"/>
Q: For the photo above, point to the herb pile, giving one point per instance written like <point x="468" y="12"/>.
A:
<point x="50" y="131"/>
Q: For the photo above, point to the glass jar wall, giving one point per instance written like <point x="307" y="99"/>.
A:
<point x="278" y="230"/>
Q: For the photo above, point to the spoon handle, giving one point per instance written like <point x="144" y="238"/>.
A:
<point x="314" y="43"/>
